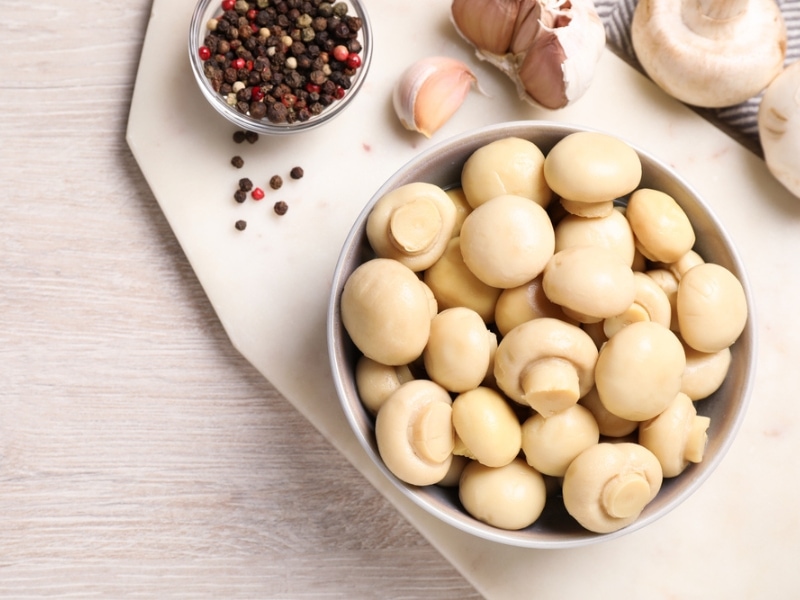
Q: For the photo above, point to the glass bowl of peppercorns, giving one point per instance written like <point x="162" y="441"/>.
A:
<point x="279" y="66"/>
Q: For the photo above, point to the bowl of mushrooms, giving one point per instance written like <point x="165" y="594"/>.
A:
<point x="541" y="335"/>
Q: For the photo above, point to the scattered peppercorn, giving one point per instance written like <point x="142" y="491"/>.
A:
<point x="281" y="207"/>
<point x="275" y="182"/>
<point x="262" y="55"/>
<point x="237" y="161"/>
<point x="245" y="184"/>
<point x="257" y="194"/>
<point x="241" y="225"/>
<point x="251" y="136"/>
<point x="240" y="196"/>
<point x="297" y="173"/>
<point x="239" y="136"/>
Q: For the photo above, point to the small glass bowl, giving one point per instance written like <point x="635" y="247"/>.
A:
<point x="207" y="9"/>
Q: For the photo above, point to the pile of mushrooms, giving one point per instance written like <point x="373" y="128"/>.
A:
<point x="526" y="331"/>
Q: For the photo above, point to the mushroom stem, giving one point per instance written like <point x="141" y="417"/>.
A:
<point x="697" y="439"/>
<point x="414" y="227"/>
<point x="626" y="495"/>
<point x="716" y="10"/>
<point x="426" y="432"/>
<point x="551" y="381"/>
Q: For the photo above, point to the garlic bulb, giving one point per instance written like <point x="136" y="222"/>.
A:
<point x="430" y="91"/>
<point x="549" y="48"/>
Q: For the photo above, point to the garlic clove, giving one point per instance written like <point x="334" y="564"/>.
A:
<point x="430" y="91"/>
<point x="487" y="24"/>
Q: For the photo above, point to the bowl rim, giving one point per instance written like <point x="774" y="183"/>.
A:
<point x="462" y="520"/>
<point x="200" y="15"/>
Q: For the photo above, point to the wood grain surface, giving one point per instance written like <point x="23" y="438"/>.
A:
<point x="140" y="455"/>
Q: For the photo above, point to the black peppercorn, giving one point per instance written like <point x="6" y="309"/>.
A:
<point x="238" y="136"/>
<point x="276" y="182"/>
<point x="281" y="207"/>
<point x="245" y="184"/>
<point x="241" y="225"/>
<point x="251" y="137"/>
<point x="297" y="173"/>
<point x="240" y="196"/>
<point x="237" y="162"/>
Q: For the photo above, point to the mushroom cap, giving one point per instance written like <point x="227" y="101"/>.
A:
<point x="524" y="303"/>
<point x="590" y="283"/>
<point x="662" y="230"/>
<point x="709" y="62"/>
<point x="459" y="350"/>
<point x="376" y="382"/>
<point x="608" y="485"/>
<point x="551" y="444"/>
<point x="677" y="436"/>
<point x="592" y="167"/>
<point x="711" y="306"/>
<point x="507" y="241"/>
<point x="650" y="304"/>
<point x="609" y="424"/>
<point x="487" y="426"/>
<point x="705" y="372"/>
<point x="509" y="497"/>
<point x="412" y="224"/>
<point x="414" y="432"/>
<point x="453" y="284"/>
<point x="509" y="166"/>
<point x="545" y="363"/>
<point x="639" y="370"/>
<point x="611" y="231"/>
<point x="778" y="116"/>
<point x="668" y="282"/>
<point x="463" y="208"/>
<point x="386" y="311"/>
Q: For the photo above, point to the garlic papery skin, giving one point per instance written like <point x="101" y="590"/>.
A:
<point x="430" y="91"/>
<point x="779" y="127"/>
<point x="553" y="50"/>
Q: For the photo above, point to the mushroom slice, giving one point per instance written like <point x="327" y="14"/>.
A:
<point x="711" y="306"/>
<point x="386" y="310"/>
<point x="487" y="427"/>
<point x="412" y="224"/>
<point x="677" y="436"/>
<point x="551" y="444"/>
<point x="459" y="349"/>
<point x="662" y="230"/>
<point x="376" y="382"/>
<point x="608" y="485"/>
<point x="639" y="370"/>
<point x="510" y="497"/>
<point x="589" y="283"/>
<point x="546" y="364"/>
<point x="414" y="432"/>
<point x="507" y="241"/>
<point x="508" y="166"/>
<point x="591" y="168"/>
<point x="650" y="304"/>
<point x="453" y="284"/>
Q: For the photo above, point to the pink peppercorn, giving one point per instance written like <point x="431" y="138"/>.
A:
<point x="228" y="4"/>
<point x="341" y="53"/>
<point x="353" y="61"/>
<point x="257" y="193"/>
<point x="339" y="93"/>
<point x="238" y="63"/>
<point x="204" y="53"/>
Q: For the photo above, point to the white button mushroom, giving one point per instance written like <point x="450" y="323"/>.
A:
<point x="546" y="364"/>
<point x="463" y="208"/>
<point x="507" y="241"/>
<point x="662" y="230"/>
<point x="589" y="170"/>
<point x="510" y="497"/>
<point x="523" y="303"/>
<point x="668" y="282"/>
<point x="589" y="283"/>
<point x="711" y="306"/>
<point x="375" y="382"/>
<point x="414" y="432"/>
<point x="386" y="311"/>
<point x="710" y="53"/>
<point x="453" y="284"/>
<point x="412" y="224"/>
<point x="610" y="425"/>
<point x="639" y="370"/>
<point x="610" y="231"/>
<point x="677" y="436"/>
<point x="608" y="485"/>
<point x="705" y="372"/>
<point x="551" y="444"/>
<point x="459" y="350"/>
<point x="487" y="427"/>
<point x="650" y="304"/>
<point x="778" y="123"/>
<point x="508" y="166"/>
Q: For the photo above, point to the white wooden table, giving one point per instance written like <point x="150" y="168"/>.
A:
<point x="140" y="454"/>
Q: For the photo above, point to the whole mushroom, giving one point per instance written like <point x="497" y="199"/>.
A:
<point x="705" y="372"/>
<point x="608" y="485"/>
<point x="609" y="424"/>
<point x="551" y="444"/>
<point x="375" y="382"/>
<point x="610" y="231"/>
<point x="487" y="429"/>
<point x="778" y="123"/>
<point x="414" y="432"/>
<point x="650" y="304"/>
<point x="710" y="53"/>
<point x="524" y="303"/>
<point x="546" y="364"/>
<point x="662" y="230"/>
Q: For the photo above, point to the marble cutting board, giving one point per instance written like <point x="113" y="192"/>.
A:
<point x="737" y="537"/>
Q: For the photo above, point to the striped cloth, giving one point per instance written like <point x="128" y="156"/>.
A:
<point x="740" y="121"/>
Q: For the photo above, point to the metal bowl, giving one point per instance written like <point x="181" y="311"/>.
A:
<point x="555" y="528"/>
<point x="198" y="30"/>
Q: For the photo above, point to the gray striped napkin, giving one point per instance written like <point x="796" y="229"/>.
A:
<point x="739" y="121"/>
